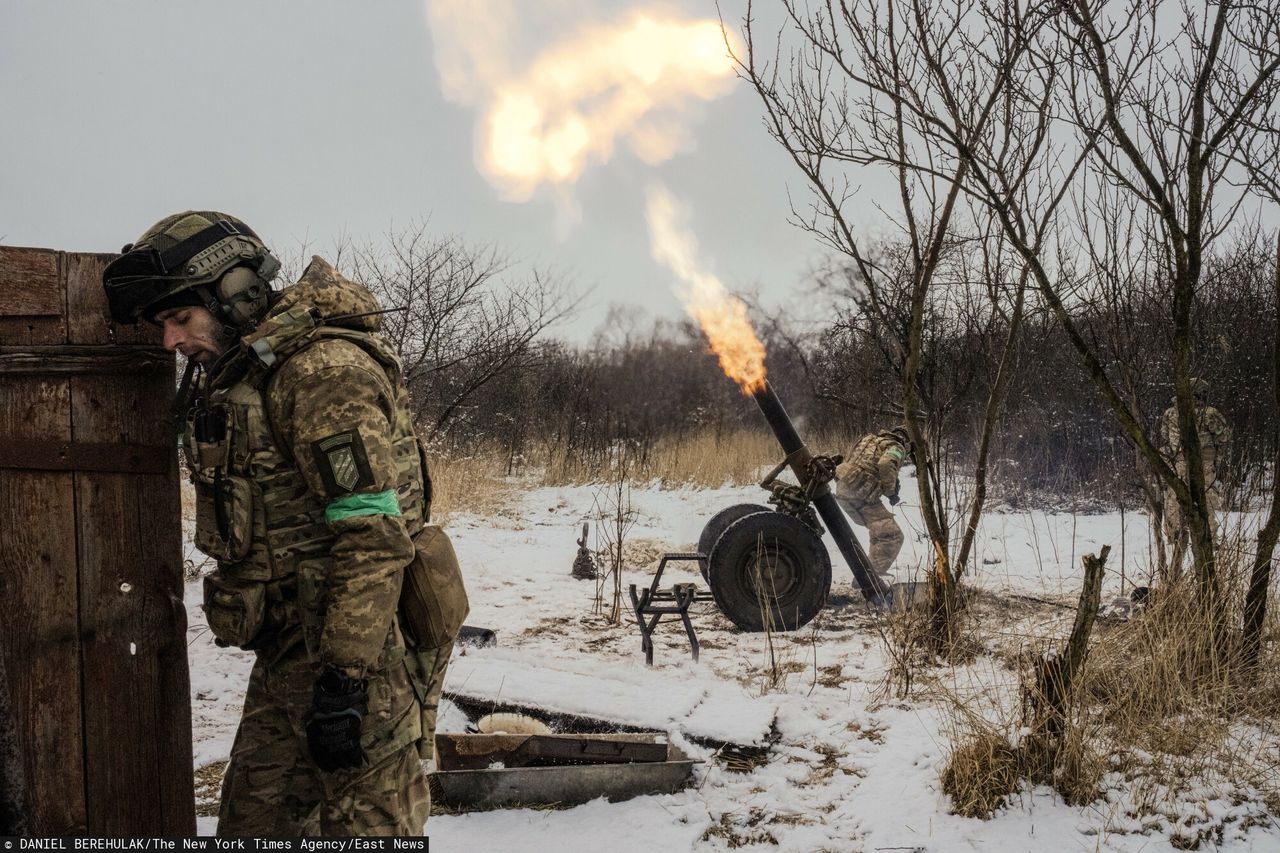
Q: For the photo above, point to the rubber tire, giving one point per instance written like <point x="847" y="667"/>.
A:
<point x="718" y="524"/>
<point x="788" y="542"/>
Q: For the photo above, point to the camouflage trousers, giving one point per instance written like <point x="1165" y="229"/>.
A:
<point x="1176" y="531"/>
<point x="428" y="668"/>
<point x="272" y="788"/>
<point x="886" y="536"/>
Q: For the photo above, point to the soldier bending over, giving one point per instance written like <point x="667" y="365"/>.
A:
<point x="869" y="474"/>
<point x="312" y="494"/>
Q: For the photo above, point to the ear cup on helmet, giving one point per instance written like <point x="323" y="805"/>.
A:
<point x="242" y="295"/>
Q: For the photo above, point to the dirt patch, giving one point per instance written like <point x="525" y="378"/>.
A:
<point x="832" y="676"/>
<point x="872" y="735"/>
<point x="738" y="831"/>
<point x="209" y="788"/>
<point x="824" y="769"/>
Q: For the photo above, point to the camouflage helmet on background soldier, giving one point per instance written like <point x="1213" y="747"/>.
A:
<point x="202" y="258"/>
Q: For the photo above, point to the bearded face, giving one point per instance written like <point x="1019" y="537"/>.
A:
<point x="193" y="331"/>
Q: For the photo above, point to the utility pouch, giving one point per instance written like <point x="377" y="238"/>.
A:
<point x="209" y="429"/>
<point x="224" y="517"/>
<point x="857" y="485"/>
<point x="235" y="609"/>
<point x="433" y="600"/>
<point x="868" y="488"/>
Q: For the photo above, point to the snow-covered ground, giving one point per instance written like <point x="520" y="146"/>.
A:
<point x="848" y="769"/>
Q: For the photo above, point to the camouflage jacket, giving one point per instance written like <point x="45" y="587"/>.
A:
<point x="1215" y="434"/>
<point x="310" y="500"/>
<point x="871" y="471"/>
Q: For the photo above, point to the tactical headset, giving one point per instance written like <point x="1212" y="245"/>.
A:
<point x="223" y="267"/>
<point x="243" y="296"/>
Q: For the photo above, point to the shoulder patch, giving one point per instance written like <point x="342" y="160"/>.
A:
<point x="343" y="462"/>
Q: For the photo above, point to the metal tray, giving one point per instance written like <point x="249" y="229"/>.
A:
<point x="505" y="787"/>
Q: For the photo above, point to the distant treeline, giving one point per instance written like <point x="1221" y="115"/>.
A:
<point x="485" y="376"/>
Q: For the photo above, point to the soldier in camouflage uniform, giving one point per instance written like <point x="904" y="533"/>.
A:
<point x="312" y="494"/>
<point x="869" y="474"/>
<point x="1215" y="438"/>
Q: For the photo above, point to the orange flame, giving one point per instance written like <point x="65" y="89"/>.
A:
<point x="723" y="317"/>
<point x="578" y="98"/>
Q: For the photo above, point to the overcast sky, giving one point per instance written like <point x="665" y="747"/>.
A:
<point x="319" y="118"/>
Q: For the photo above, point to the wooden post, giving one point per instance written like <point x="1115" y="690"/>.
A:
<point x="91" y="557"/>
<point x="1055" y="675"/>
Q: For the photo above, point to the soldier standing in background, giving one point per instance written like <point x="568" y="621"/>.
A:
<point x="312" y="493"/>
<point x="869" y="474"/>
<point x="1215" y="438"/>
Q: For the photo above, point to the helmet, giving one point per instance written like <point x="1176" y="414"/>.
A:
<point x="899" y="433"/>
<point x="192" y="258"/>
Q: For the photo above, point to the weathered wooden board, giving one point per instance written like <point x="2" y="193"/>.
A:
<point x="32" y="287"/>
<point x="31" y="310"/>
<point x="39" y="634"/>
<point x="91" y="560"/>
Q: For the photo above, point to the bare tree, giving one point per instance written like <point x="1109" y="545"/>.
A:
<point x="1160" y="102"/>
<point x="1255" y="600"/>
<point x="1166" y="111"/>
<point x="467" y="318"/>
<point x="855" y="85"/>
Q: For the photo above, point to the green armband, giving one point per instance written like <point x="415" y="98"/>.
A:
<point x="349" y="506"/>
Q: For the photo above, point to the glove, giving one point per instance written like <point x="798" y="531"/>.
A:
<point x="338" y="707"/>
<point x="894" y="500"/>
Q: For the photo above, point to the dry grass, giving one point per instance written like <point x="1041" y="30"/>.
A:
<point x="1164" y="664"/>
<point x="981" y="773"/>
<point x="1175" y="706"/>
<point x="712" y="460"/>
<point x="471" y="483"/>
<point x="478" y="482"/>
<point x="737" y="830"/>
<point x="903" y="632"/>
<point x="706" y="459"/>
<point x="208" y="787"/>
<point x="992" y="752"/>
<point x="481" y="481"/>
<point x="1160" y="709"/>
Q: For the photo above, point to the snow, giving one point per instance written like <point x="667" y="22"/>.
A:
<point x="698" y="705"/>
<point x="848" y="769"/>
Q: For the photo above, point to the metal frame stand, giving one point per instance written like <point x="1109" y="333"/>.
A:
<point x="656" y="602"/>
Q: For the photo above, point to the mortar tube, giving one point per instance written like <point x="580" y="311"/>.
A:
<point x="798" y="457"/>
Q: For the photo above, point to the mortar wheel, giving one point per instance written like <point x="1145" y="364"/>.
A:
<point x="775" y="553"/>
<point x="718" y="524"/>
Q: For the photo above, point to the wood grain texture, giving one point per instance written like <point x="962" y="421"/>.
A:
<point x="94" y="636"/>
<point x="88" y="317"/>
<point x="39" y="634"/>
<point x="68" y="360"/>
<point x="133" y="625"/>
<point x="30" y="283"/>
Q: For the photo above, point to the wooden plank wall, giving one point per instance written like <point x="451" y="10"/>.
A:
<point x="91" y="567"/>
